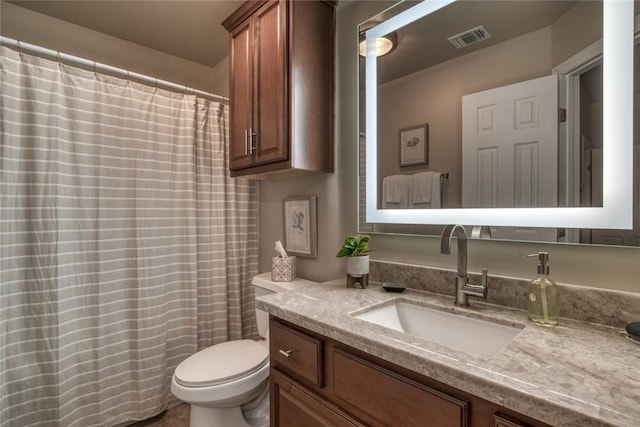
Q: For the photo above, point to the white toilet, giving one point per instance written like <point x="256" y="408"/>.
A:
<point x="227" y="384"/>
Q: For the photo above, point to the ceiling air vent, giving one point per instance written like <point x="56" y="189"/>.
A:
<point x="469" y="37"/>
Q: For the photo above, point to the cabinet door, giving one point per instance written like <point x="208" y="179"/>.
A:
<point x="294" y="406"/>
<point x="271" y="141"/>
<point x="241" y="95"/>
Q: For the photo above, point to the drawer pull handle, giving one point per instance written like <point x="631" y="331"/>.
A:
<point x="285" y="353"/>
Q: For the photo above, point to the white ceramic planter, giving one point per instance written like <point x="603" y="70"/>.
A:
<point x="358" y="265"/>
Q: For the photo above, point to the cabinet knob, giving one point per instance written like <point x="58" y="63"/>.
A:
<point x="285" y="353"/>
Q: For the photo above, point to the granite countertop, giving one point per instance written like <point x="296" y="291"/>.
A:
<point x="574" y="374"/>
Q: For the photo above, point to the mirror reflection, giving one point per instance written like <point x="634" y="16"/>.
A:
<point x="493" y="104"/>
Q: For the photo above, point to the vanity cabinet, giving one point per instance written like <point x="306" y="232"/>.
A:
<point x="281" y="87"/>
<point x="317" y="381"/>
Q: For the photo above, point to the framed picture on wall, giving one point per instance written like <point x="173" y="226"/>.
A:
<point x="414" y="145"/>
<point x="300" y="226"/>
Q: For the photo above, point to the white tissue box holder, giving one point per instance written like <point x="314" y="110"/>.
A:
<point x="283" y="269"/>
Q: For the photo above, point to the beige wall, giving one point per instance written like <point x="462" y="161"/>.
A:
<point x="614" y="268"/>
<point x="221" y="78"/>
<point x="579" y="27"/>
<point x="31" y="27"/>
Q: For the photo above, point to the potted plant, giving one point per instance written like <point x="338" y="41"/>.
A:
<point x="355" y="249"/>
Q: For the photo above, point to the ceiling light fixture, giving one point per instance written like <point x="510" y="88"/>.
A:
<point x="383" y="44"/>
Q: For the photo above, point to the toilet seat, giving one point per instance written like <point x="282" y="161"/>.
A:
<point x="222" y="363"/>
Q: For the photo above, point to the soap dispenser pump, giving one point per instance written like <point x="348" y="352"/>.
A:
<point x="543" y="294"/>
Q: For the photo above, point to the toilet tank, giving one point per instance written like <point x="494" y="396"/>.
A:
<point x="263" y="285"/>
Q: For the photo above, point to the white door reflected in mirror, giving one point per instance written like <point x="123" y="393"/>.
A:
<point x="510" y="151"/>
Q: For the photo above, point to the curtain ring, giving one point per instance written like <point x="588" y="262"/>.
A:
<point x="58" y="56"/>
<point x="95" y="68"/>
<point x="18" y="46"/>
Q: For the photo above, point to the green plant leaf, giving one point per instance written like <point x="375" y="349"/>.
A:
<point x="355" y="245"/>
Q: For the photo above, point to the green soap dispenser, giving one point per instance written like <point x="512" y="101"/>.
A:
<point x="543" y="294"/>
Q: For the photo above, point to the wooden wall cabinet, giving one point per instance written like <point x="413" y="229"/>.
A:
<point x="316" y="381"/>
<point x="281" y="87"/>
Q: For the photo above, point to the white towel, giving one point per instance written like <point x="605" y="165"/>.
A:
<point x="422" y="186"/>
<point x="436" y="191"/>
<point x="395" y="191"/>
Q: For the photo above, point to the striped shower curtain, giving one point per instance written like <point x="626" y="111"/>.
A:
<point x="125" y="246"/>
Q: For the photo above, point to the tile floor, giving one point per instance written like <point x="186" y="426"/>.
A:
<point x="178" y="416"/>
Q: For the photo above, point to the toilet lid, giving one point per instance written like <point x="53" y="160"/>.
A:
<point x="222" y="363"/>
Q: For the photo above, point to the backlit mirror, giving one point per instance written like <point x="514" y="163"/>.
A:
<point x="513" y="114"/>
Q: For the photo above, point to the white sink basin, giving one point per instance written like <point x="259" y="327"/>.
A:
<point x="471" y="335"/>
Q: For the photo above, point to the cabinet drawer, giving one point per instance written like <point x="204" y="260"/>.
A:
<point x="391" y="399"/>
<point x="297" y="353"/>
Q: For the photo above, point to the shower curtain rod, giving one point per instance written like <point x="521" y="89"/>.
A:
<point x="97" y="66"/>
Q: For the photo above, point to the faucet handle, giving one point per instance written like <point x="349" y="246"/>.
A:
<point x="481" y="290"/>
<point x="481" y="232"/>
<point x="484" y="282"/>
